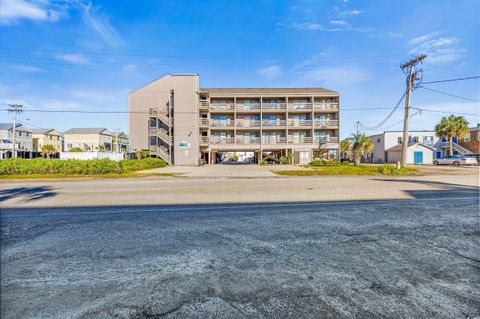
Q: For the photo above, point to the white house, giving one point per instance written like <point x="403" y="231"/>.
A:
<point x="88" y="139"/>
<point x="384" y="142"/>
<point x="23" y="141"/>
<point x="417" y="153"/>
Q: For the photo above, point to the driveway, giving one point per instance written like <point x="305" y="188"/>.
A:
<point x="225" y="170"/>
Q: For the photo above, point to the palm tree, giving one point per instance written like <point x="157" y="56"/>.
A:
<point x="345" y="147"/>
<point x="361" y="144"/>
<point x="48" y="150"/>
<point x="452" y="126"/>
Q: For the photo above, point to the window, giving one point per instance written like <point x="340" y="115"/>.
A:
<point x="378" y="140"/>
<point x="69" y="146"/>
<point x="428" y="140"/>
<point x="153" y="140"/>
<point x="413" y="139"/>
<point x="478" y="136"/>
<point x="399" y="140"/>
<point x="467" y="137"/>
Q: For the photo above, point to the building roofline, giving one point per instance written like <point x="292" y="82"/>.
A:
<point x="162" y="76"/>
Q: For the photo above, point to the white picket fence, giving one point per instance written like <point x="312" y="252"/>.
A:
<point x="114" y="156"/>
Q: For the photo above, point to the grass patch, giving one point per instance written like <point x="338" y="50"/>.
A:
<point x="49" y="168"/>
<point x="78" y="176"/>
<point x="359" y="170"/>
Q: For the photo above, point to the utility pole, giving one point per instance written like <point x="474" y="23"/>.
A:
<point x="116" y="139"/>
<point x="16" y="109"/>
<point x="408" y="69"/>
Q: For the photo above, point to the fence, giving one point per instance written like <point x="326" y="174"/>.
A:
<point x="92" y="155"/>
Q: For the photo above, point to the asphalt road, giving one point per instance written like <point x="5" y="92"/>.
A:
<point x="410" y="258"/>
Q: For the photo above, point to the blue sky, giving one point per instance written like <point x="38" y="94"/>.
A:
<point x="82" y="55"/>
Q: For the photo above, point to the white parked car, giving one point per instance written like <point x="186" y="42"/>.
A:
<point x="456" y="160"/>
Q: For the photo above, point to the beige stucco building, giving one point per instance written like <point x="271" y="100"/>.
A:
<point x="173" y="118"/>
<point x="46" y="136"/>
<point x="88" y="139"/>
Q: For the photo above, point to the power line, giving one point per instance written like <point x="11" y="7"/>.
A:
<point x="449" y="94"/>
<point x="452" y="80"/>
<point x="376" y="127"/>
<point x="192" y="56"/>
<point x="445" y="112"/>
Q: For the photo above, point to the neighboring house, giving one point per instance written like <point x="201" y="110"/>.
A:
<point x="174" y="119"/>
<point x="88" y="139"/>
<point x="46" y="136"/>
<point x="417" y="153"/>
<point x="471" y="141"/>
<point x="23" y="141"/>
<point x="389" y="139"/>
<point x="120" y="139"/>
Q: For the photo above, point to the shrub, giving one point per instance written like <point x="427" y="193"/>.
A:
<point x="20" y="166"/>
<point x="323" y="162"/>
<point x="389" y="169"/>
<point x="234" y="158"/>
<point x="76" y="149"/>
<point x="264" y="162"/>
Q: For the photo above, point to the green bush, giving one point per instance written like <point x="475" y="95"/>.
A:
<point x="389" y="169"/>
<point x="75" y="167"/>
<point x="76" y="149"/>
<point x="323" y="162"/>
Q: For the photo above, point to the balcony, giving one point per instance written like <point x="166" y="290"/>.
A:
<point x="222" y="107"/>
<point x="299" y="123"/>
<point x="325" y="139"/>
<point x="299" y="106"/>
<point x="272" y="140"/>
<point x="269" y="107"/>
<point x="333" y="124"/>
<point x="300" y="139"/>
<point x="248" y="123"/>
<point x="220" y="140"/>
<point x="327" y="107"/>
<point x="274" y="123"/>
<point x="248" y="140"/>
<point x="222" y="123"/>
<point x="251" y="107"/>
<point x="203" y="105"/>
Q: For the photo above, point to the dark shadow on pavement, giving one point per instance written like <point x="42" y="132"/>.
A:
<point x="28" y="193"/>
<point x="446" y="189"/>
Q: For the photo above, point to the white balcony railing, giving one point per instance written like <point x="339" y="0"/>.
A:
<point x="248" y="123"/>
<point x="274" y="123"/>
<point x="274" y="139"/>
<point x="274" y="106"/>
<point x="222" y="106"/>
<point x="248" y="107"/>
<point x="221" y="140"/>
<point x="299" y="139"/>
<point x="326" y="123"/>
<point x="318" y="106"/>
<point x="248" y="140"/>
<point x="222" y="123"/>
<point x="299" y="106"/>
<point x="203" y="122"/>
<point x="298" y="123"/>
<point x="325" y="139"/>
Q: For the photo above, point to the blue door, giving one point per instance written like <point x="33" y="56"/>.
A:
<point x="417" y="157"/>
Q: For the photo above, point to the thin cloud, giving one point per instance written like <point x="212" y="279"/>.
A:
<point x="100" y="23"/>
<point x="438" y="48"/>
<point x="353" y="12"/>
<point x="270" y="72"/>
<point x="26" y="68"/>
<point x="74" y="58"/>
<point x="12" y="11"/>
<point x="333" y="76"/>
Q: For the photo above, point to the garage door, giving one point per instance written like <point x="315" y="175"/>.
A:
<point x="417" y="157"/>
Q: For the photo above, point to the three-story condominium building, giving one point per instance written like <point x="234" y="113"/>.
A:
<point x="174" y="119"/>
